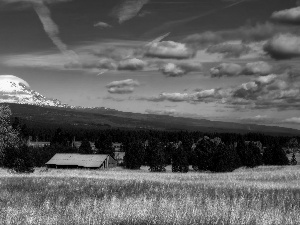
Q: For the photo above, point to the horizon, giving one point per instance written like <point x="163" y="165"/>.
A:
<point x="219" y="60"/>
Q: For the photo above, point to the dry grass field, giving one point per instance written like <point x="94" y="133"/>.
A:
<point x="264" y="195"/>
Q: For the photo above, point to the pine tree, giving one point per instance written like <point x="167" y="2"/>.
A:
<point x="249" y="154"/>
<point x="134" y="154"/>
<point x="59" y="138"/>
<point x="85" y="147"/>
<point x="155" y="156"/>
<point x="9" y="137"/>
<point x="203" y="154"/>
<point x="180" y="161"/>
<point x="293" y="160"/>
<point x="225" y="159"/>
<point x="275" y="155"/>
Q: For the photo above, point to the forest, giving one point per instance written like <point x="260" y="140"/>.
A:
<point x="215" y="152"/>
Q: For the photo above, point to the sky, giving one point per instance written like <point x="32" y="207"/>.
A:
<point x="224" y="60"/>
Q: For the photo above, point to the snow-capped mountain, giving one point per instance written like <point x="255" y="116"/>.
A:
<point x="15" y="90"/>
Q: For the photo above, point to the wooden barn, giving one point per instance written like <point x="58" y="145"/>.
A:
<point x="76" y="160"/>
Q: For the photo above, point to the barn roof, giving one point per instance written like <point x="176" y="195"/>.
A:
<point x="77" y="159"/>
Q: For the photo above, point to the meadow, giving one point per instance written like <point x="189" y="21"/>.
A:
<point x="264" y="195"/>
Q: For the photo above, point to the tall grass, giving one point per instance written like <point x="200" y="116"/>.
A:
<point x="266" y="195"/>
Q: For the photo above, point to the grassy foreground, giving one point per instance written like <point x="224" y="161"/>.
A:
<point x="265" y="195"/>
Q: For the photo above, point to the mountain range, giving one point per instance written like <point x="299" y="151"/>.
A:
<point x="34" y="108"/>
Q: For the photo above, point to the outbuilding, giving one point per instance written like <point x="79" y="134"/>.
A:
<point x="75" y="160"/>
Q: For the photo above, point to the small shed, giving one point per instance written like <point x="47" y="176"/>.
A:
<point x="75" y="160"/>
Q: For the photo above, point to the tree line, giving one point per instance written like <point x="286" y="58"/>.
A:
<point x="223" y="152"/>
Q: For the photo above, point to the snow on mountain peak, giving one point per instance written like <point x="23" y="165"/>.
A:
<point x="16" y="90"/>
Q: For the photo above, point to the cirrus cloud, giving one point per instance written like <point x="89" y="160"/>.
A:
<point x="128" y="9"/>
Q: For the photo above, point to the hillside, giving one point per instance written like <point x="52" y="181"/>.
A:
<point x="103" y="118"/>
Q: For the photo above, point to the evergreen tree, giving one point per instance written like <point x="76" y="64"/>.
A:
<point x="203" y="154"/>
<point x="293" y="160"/>
<point x="155" y="156"/>
<point x="134" y="154"/>
<point x="275" y="155"/>
<point x="180" y="161"/>
<point x="8" y="136"/>
<point x="85" y="147"/>
<point x="59" y="138"/>
<point x="249" y="154"/>
<point x="104" y="145"/>
<point x="225" y="159"/>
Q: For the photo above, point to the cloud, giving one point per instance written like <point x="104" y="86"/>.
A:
<point x="170" y="112"/>
<point x="292" y="120"/>
<point x="131" y="64"/>
<point x="168" y="50"/>
<point x="202" y="95"/>
<point x="144" y="13"/>
<point x="28" y="3"/>
<point x="172" y="24"/>
<point x="226" y="69"/>
<point x="229" y="50"/>
<point x="50" y="27"/>
<point x="265" y="92"/>
<point x="179" y="69"/>
<point x="106" y="63"/>
<point x="232" y="69"/>
<point x="128" y="9"/>
<point x="248" y="33"/>
<point x="204" y="39"/>
<point x="283" y="46"/>
<point x="112" y="98"/>
<point x="122" y="86"/>
<point x="259" y="68"/>
<point x="287" y="16"/>
<point x="273" y="91"/>
<point x="102" y="25"/>
<point x="172" y="70"/>
<point x="172" y="97"/>
<point x="257" y="119"/>
<point x="101" y="63"/>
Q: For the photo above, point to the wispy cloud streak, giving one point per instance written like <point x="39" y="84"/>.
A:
<point x="52" y="29"/>
<point x="170" y="25"/>
<point x="128" y="10"/>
